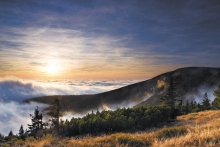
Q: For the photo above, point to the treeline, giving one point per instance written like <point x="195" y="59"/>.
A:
<point x="135" y="119"/>
<point x="120" y="120"/>
<point x="193" y="106"/>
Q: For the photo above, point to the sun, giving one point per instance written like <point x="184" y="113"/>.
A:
<point x="52" y="69"/>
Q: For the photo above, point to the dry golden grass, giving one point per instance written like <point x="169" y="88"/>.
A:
<point x="203" y="129"/>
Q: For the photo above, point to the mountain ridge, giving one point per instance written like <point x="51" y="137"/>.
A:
<point x="189" y="82"/>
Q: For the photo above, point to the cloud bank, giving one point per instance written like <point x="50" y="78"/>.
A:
<point x="15" y="89"/>
<point x="14" y="113"/>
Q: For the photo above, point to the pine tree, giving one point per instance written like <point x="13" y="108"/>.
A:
<point x="21" y="132"/>
<point x="206" y="102"/>
<point x="10" y="134"/>
<point x="55" y="113"/>
<point x="37" y="123"/>
<point x="180" y="106"/>
<point x="199" y="107"/>
<point x="216" y="102"/>
<point x="193" y="105"/>
<point x="187" y="107"/>
<point x="170" y="99"/>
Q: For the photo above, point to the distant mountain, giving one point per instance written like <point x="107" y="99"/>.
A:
<point x="191" y="83"/>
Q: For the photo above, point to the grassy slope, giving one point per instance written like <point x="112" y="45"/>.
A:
<point x="203" y="129"/>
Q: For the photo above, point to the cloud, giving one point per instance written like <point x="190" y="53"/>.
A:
<point x="115" y="36"/>
<point x="64" y="47"/>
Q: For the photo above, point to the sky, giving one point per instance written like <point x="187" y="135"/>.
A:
<point x="107" y="39"/>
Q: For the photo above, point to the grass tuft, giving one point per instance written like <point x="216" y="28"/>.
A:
<point x="171" y="132"/>
<point x="131" y="141"/>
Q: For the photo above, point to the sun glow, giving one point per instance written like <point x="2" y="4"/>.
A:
<point x="52" y="69"/>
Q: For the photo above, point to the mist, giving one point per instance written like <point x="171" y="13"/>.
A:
<point x="14" y="114"/>
<point x="199" y="94"/>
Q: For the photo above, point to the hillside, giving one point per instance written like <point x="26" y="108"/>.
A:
<point x="195" y="129"/>
<point x="191" y="83"/>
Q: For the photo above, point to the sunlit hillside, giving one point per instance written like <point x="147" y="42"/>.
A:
<point x="195" y="129"/>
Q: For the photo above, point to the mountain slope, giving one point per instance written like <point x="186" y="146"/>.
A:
<point x="191" y="83"/>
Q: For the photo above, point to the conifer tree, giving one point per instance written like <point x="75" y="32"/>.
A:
<point x="206" y="102"/>
<point x="37" y="123"/>
<point x="193" y="105"/>
<point x="187" y="107"/>
<point x="21" y="132"/>
<point x="199" y="107"/>
<point x="55" y="112"/>
<point x="170" y="99"/>
<point x="180" y="106"/>
<point x="216" y="102"/>
<point x="10" y="134"/>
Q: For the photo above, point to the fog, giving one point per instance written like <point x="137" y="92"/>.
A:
<point x="199" y="94"/>
<point x="14" y="114"/>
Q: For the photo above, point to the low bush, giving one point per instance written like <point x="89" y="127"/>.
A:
<point x="171" y="132"/>
<point x="131" y="141"/>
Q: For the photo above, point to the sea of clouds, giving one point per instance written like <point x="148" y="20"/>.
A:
<point x="14" y="113"/>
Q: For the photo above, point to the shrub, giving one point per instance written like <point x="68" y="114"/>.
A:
<point x="131" y="141"/>
<point x="19" y="142"/>
<point x="6" y="145"/>
<point x="171" y="132"/>
<point x="47" y="145"/>
<point x="31" y="139"/>
<point x="56" y="142"/>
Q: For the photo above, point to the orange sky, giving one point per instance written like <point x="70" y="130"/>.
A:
<point x="80" y="74"/>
